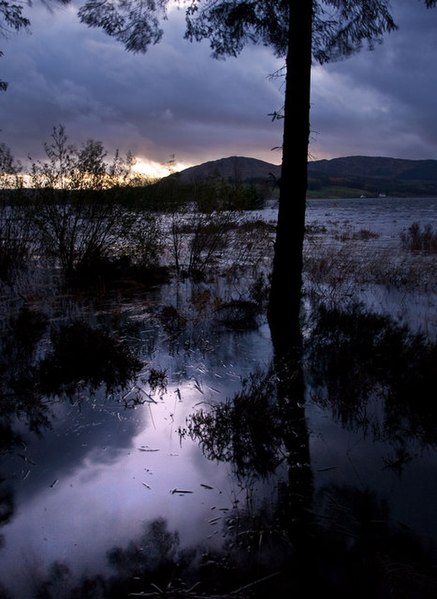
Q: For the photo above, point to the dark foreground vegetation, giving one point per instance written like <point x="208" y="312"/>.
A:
<point x="90" y="267"/>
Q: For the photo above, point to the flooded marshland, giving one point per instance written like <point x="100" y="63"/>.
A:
<point x="151" y="444"/>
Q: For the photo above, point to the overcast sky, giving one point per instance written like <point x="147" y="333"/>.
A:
<point x="176" y="99"/>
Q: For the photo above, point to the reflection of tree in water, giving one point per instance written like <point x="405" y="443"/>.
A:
<point x="261" y="427"/>
<point x="32" y="378"/>
<point x="245" y="430"/>
<point x="78" y="357"/>
<point x="356" y="551"/>
<point x="342" y="540"/>
<point x="83" y="356"/>
<point x="360" y="552"/>
<point x="154" y="562"/>
<point x="353" y="357"/>
<point x="376" y="376"/>
<point x="150" y="559"/>
<point x="18" y="374"/>
<point x="6" y="507"/>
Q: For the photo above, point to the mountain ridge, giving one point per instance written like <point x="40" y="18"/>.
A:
<point x="236" y="168"/>
<point x="362" y="174"/>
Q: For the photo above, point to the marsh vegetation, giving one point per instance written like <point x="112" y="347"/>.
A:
<point x="153" y="443"/>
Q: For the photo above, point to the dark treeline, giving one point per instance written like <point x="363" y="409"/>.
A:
<point x="162" y="195"/>
<point x="87" y="174"/>
<point x="94" y="220"/>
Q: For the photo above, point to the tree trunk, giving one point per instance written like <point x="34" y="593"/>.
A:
<point x="286" y="285"/>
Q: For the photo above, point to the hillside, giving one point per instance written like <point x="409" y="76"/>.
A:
<point x="235" y="169"/>
<point x="374" y="175"/>
<point x="351" y="175"/>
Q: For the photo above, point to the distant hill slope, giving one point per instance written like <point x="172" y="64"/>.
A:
<point x="359" y="174"/>
<point x="374" y="174"/>
<point x="366" y="166"/>
<point x="234" y="168"/>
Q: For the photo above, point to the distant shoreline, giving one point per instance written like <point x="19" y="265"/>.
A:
<point x="353" y="196"/>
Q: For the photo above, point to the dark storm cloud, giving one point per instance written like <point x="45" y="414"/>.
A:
<point x="382" y="102"/>
<point x="176" y="99"/>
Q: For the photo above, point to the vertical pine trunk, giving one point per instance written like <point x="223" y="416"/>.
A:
<point x="286" y="285"/>
<point x="286" y="288"/>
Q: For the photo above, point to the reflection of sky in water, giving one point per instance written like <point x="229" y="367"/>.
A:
<point x="88" y="484"/>
<point x="353" y="459"/>
<point x="91" y="482"/>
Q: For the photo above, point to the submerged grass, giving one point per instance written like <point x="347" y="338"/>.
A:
<point x="420" y="239"/>
<point x="352" y="357"/>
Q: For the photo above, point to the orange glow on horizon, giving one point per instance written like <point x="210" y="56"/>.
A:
<point x="157" y="170"/>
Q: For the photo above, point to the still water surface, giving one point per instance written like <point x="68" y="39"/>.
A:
<point x="90" y="481"/>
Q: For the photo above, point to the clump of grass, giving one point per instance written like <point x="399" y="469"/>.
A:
<point x="417" y="275"/>
<point x="418" y="239"/>
<point x="361" y="235"/>
<point x="257" y="225"/>
<point x="365" y="235"/>
<point x="331" y="276"/>
<point x="315" y="229"/>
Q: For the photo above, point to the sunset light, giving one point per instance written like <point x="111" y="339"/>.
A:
<point x="157" y="170"/>
<point x="218" y="299"/>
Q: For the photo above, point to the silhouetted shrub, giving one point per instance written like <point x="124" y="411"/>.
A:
<point x="105" y="273"/>
<point x="15" y="247"/>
